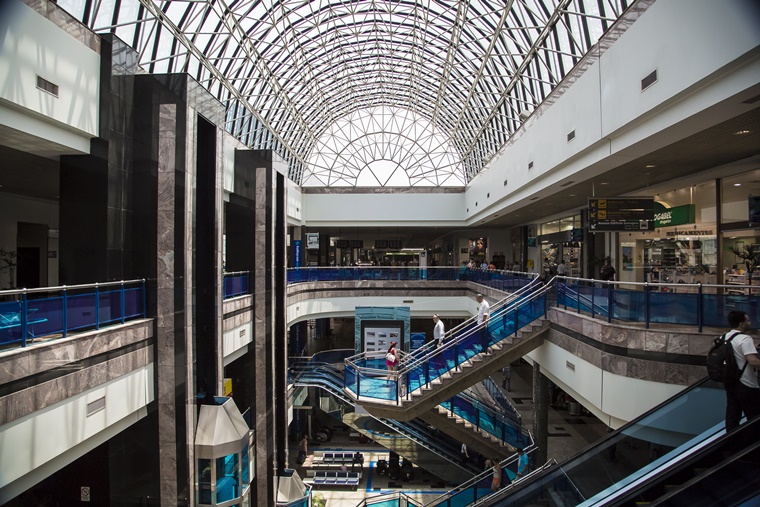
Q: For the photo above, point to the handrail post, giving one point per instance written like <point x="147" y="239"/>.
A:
<point x="23" y="318"/>
<point x="123" y="303"/>
<point x="517" y="309"/>
<point x="65" y="316"/>
<point x="646" y="304"/>
<point x="593" y="293"/>
<point x="145" y="300"/>
<point x="700" y="316"/>
<point x="97" y="307"/>
<point x="610" y="301"/>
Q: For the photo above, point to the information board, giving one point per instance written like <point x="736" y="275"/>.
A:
<point x="620" y="214"/>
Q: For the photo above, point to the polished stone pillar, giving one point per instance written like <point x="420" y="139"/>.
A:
<point x="540" y="416"/>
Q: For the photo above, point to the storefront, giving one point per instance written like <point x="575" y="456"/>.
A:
<point x="561" y="241"/>
<point x="694" y="240"/>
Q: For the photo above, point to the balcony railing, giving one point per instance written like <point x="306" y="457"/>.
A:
<point x="694" y="305"/>
<point x="236" y="284"/>
<point x="51" y="312"/>
<point x="502" y="280"/>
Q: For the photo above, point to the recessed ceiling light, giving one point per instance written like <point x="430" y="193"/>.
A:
<point x="571" y="195"/>
<point x="742" y="132"/>
<point x="737" y="184"/>
<point x="604" y="183"/>
<point x="650" y="166"/>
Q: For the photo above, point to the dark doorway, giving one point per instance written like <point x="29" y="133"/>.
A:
<point x="28" y="269"/>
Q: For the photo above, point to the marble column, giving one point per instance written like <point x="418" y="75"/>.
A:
<point x="262" y="325"/>
<point x="165" y="336"/>
<point x="540" y="415"/>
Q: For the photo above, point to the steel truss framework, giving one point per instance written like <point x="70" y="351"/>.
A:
<point x="368" y="93"/>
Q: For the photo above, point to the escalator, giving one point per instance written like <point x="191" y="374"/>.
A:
<point x="660" y="441"/>
<point x="725" y="473"/>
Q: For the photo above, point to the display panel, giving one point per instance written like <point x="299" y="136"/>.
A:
<point x="377" y="335"/>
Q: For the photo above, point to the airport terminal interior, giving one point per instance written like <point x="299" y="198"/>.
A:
<point x="340" y="253"/>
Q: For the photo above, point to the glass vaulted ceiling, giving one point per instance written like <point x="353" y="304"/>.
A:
<point x="365" y="93"/>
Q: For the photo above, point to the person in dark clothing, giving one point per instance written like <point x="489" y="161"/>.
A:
<point x="607" y="272"/>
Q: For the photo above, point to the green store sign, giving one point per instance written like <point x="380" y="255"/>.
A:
<point x="668" y="217"/>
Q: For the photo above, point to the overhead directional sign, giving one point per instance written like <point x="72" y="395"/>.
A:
<point x="613" y="214"/>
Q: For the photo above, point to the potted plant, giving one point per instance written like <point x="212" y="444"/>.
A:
<point x="8" y="260"/>
<point x="748" y="256"/>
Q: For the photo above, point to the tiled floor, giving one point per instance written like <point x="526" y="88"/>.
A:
<point x="568" y="435"/>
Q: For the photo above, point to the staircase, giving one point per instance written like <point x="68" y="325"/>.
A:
<point x="466" y="361"/>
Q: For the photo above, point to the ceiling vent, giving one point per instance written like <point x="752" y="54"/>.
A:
<point x="567" y="184"/>
<point x="649" y="80"/>
<point x="530" y="165"/>
<point x="505" y="182"/>
<point x="535" y="198"/>
<point x="571" y="136"/>
<point x="46" y="86"/>
<point x="752" y="100"/>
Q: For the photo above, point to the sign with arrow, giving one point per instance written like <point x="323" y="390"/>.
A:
<point x="619" y="214"/>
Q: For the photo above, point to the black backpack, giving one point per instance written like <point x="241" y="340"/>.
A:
<point x="721" y="361"/>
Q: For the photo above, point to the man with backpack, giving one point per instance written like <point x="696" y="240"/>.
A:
<point x="742" y="395"/>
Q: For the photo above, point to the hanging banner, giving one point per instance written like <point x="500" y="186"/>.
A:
<point x="297" y="253"/>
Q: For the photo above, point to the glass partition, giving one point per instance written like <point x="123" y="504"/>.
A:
<point x="684" y="422"/>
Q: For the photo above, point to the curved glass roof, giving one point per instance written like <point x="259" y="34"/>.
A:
<point x="365" y="93"/>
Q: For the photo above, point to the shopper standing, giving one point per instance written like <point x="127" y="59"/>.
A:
<point x="438" y="331"/>
<point x="464" y="457"/>
<point x="522" y="463"/>
<point x="483" y="309"/>
<point x="744" y="395"/>
<point x="391" y="360"/>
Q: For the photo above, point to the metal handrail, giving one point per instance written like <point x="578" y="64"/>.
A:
<point x="510" y="305"/>
<point x="657" y="284"/>
<point x="58" y="288"/>
<point x="233" y="273"/>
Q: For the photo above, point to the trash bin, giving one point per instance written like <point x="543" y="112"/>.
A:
<point x="574" y="408"/>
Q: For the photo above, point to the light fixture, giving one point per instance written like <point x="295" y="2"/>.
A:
<point x="604" y="183"/>
<point x="737" y="184"/>
<point x="571" y="195"/>
<point x="742" y="132"/>
<point x="650" y="166"/>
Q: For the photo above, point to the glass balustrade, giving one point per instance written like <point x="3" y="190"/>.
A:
<point x="53" y="312"/>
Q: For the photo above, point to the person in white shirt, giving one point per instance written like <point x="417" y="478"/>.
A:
<point x="438" y="331"/>
<point x="744" y="395"/>
<point x="483" y="309"/>
<point x="561" y="268"/>
<point x="465" y="457"/>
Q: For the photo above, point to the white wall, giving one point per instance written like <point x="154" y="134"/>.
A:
<point x="235" y="340"/>
<point x="32" y="45"/>
<point x="59" y="434"/>
<point x="295" y="204"/>
<point x="422" y="306"/>
<point x="383" y="209"/>
<point x="614" y="399"/>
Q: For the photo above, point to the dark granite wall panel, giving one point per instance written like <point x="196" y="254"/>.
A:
<point x="97" y="198"/>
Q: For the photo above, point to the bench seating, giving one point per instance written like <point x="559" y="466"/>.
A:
<point x="335" y="457"/>
<point x="329" y="478"/>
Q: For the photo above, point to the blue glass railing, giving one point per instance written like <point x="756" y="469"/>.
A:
<point x="330" y="379"/>
<point x="479" y="486"/>
<point x="655" y="441"/>
<point x="367" y="377"/>
<point x="502" y="280"/>
<point x="236" y="284"/>
<point x="501" y="400"/>
<point x="482" y="417"/>
<point x="694" y="305"/>
<point x="55" y="311"/>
